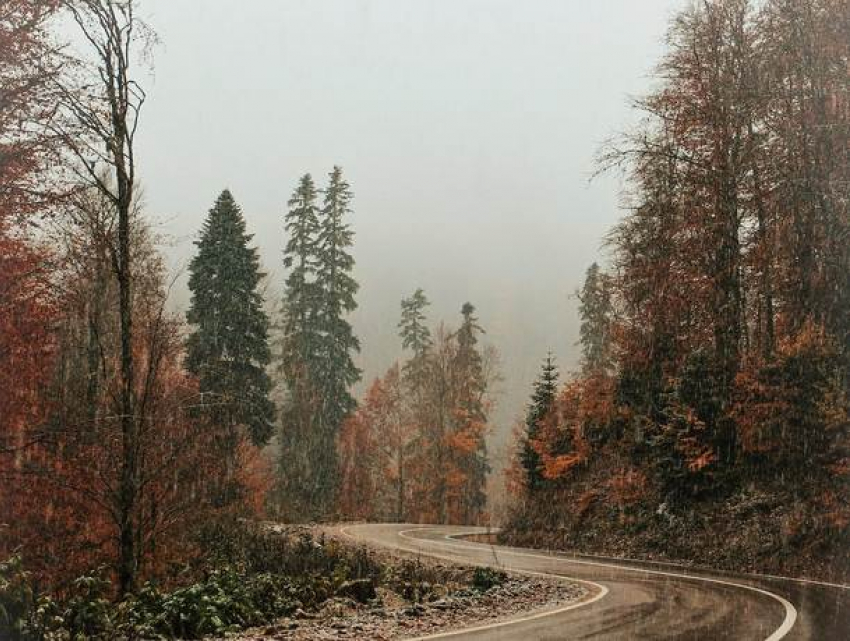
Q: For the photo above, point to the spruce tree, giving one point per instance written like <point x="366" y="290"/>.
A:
<point x="471" y="387"/>
<point x="469" y="361"/>
<point x="413" y="331"/>
<point x="416" y="337"/>
<point x="301" y="296"/>
<point x="416" y="376"/>
<point x="596" y="311"/>
<point x="228" y="349"/>
<point x="542" y="401"/>
<point x="337" y="289"/>
<point x="299" y="350"/>
<point x="335" y="372"/>
<point x="318" y="343"/>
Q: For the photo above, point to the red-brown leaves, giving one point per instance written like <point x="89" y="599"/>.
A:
<point x="374" y="451"/>
<point x="355" y="447"/>
<point x="792" y="408"/>
<point x="584" y="406"/>
<point x="27" y="356"/>
<point x="27" y="67"/>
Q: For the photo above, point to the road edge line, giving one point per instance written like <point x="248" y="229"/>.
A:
<point x="600" y="591"/>
<point x="780" y="632"/>
<point x="674" y="564"/>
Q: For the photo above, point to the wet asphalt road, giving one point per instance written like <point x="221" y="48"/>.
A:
<point x="634" y="600"/>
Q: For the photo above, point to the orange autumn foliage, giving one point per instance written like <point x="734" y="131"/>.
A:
<point x="374" y="445"/>
<point x="583" y="408"/>
<point x="415" y="448"/>
<point x="60" y="434"/>
<point x="28" y="308"/>
<point x="28" y="65"/>
<point x="355" y="447"/>
<point x="792" y="407"/>
<point x="516" y="476"/>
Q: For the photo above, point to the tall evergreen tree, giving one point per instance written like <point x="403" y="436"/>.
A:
<point x="301" y="295"/>
<point x="416" y="337"/>
<point x="318" y="343"/>
<point x="299" y="349"/>
<point x="337" y="289"/>
<point x="414" y="332"/>
<point x="542" y="401"/>
<point x="335" y="372"/>
<point x="418" y="377"/>
<point x="596" y="311"/>
<point x="469" y="361"/>
<point x="228" y="349"/>
<point x="471" y="412"/>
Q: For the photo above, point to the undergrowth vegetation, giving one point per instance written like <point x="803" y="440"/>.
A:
<point x="249" y="575"/>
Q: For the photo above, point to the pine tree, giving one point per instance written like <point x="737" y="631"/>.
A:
<point x="413" y="331"/>
<point x="299" y="349"/>
<point x="419" y="373"/>
<point x="469" y="361"/>
<point x="471" y="413"/>
<point x="542" y="401"/>
<point x="335" y="371"/>
<point x="337" y="290"/>
<point x="228" y="350"/>
<point x="319" y="343"/>
<point x="595" y="331"/>
<point x="301" y="295"/>
<point x="416" y="337"/>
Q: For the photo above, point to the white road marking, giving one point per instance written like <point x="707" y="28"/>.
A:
<point x="601" y="592"/>
<point x="501" y="624"/>
<point x="626" y="559"/>
<point x="779" y="633"/>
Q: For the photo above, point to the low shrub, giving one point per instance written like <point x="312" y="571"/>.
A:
<point x="228" y="600"/>
<point x="483" y="579"/>
<point x="413" y="580"/>
<point x="288" y="551"/>
<point x="17" y="599"/>
<point x="87" y="613"/>
<point x="251" y="577"/>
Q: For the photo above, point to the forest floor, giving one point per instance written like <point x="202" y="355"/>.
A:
<point x="441" y="597"/>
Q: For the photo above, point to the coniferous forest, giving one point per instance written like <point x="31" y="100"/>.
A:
<point x="179" y="471"/>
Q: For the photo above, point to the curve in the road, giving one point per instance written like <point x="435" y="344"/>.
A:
<point x="597" y="591"/>
<point x="779" y="633"/>
<point x="637" y="597"/>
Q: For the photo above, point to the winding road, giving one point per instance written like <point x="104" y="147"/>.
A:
<point x="634" y="600"/>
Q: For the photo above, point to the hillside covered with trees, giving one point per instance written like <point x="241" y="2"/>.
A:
<point x="709" y="421"/>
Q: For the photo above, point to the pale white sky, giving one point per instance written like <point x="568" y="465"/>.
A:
<point x="467" y="128"/>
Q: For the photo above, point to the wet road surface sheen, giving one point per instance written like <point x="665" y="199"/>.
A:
<point x="635" y="600"/>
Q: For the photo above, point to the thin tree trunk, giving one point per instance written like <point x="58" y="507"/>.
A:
<point x="129" y="469"/>
<point x="400" y="498"/>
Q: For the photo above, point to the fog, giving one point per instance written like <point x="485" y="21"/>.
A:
<point x="468" y="130"/>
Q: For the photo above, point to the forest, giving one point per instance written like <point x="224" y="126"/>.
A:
<point x="709" y="420"/>
<point x="140" y="447"/>
<point x="132" y="434"/>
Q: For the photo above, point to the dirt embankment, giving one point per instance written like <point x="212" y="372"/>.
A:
<point x="748" y="531"/>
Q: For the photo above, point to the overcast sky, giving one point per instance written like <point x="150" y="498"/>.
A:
<point x="467" y="129"/>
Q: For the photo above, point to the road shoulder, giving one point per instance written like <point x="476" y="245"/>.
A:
<point x="443" y="610"/>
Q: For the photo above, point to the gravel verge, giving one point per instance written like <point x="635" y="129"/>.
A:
<point x="346" y="619"/>
<point x="392" y="617"/>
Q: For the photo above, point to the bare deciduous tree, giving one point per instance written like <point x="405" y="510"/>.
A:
<point x="98" y="124"/>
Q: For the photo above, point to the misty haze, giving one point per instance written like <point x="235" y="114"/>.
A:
<point x="367" y="319"/>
